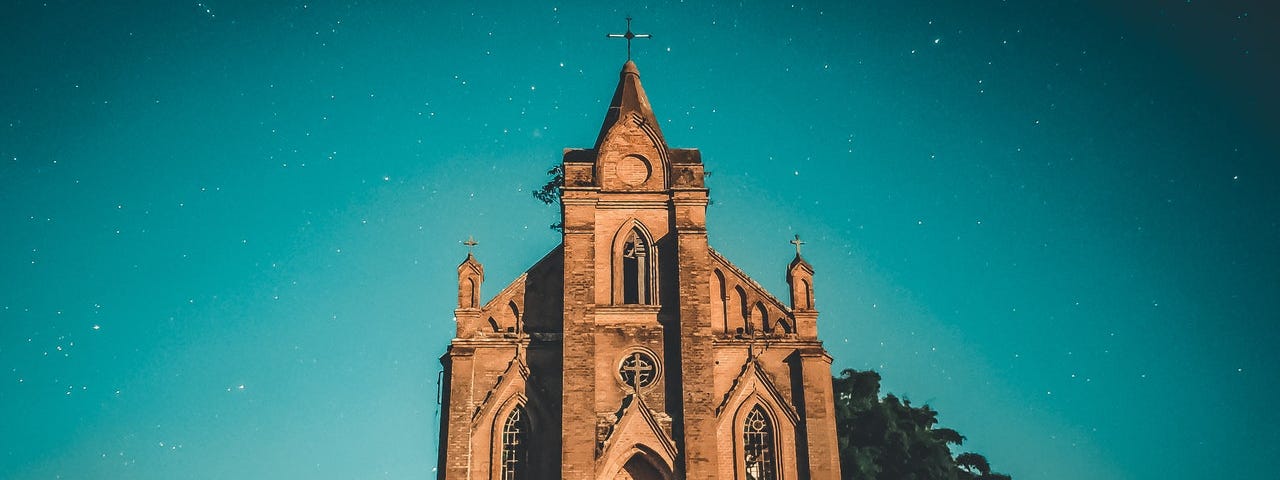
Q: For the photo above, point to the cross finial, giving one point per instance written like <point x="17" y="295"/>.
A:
<point x="628" y="36"/>
<point x="470" y="243"/>
<point x="797" y="242"/>
<point x="635" y="371"/>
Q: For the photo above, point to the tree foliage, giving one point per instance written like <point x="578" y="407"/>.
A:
<point x="888" y="438"/>
<point x="550" y="192"/>
<point x="880" y="439"/>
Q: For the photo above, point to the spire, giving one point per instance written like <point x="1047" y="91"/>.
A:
<point x="630" y="105"/>
<point x="470" y="276"/>
<point x="800" y="278"/>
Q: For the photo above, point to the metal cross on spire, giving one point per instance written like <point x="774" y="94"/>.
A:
<point x="797" y="242"/>
<point x="628" y="36"/>
<point x="470" y="243"/>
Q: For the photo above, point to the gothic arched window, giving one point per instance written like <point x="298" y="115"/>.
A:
<point x="757" y="446"/>
<point x="786" y="327"/>
<point x="720" y="299"/>
<point x="472" y="299"/>
<point x="806" y="295"/>
<point x="743" y="309"/>
<point x="515" y="315"/>
<point x="515" y="445"/>
<point x="637" y="274"/>
<point x="762" y="318"/>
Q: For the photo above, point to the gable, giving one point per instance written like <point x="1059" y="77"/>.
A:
<point x="533" y="300"/>
<point x="746" y="302"/>
<point x="753" y="382"/>
<point x="511" y="382"/>
<point x="636" y="429"/>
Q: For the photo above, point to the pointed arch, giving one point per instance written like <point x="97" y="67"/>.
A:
<point x="634" y="261"/>
<point x="636" y="432"/>
<point x="515" y="314"/>
<point x="806" y="292"/>
<point x="507" y="391"/>
<point x="511" y="391"/>
<point x="515" y="445"/>
<point x="720" y="300"/>
<point x="471" y="296"/>
<point x="753" y="386"/>
<point x="759" y="445"/>
<point x="743" y="309"/>
<point x="638" y="462"/>
<point x="513" y="453"/>
<point x="760" y="317"/>
<point x="641" y="468"/>
<point x="763" y="439"/>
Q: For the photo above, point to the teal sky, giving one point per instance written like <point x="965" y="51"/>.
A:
<point x="229" y="229"/>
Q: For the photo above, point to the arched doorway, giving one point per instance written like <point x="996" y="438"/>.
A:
<point x="640" y="468"/>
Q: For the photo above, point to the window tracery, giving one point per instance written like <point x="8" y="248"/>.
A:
<point x="637" y="269"/>
<point x="635" y="266"/>
<point x="757" y="446"/>
<point x="638" y="369"/>
<point x="515" y="445"/>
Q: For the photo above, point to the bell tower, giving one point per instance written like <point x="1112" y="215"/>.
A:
<point x="633" y="209"/>
<point x="634" y="350"/>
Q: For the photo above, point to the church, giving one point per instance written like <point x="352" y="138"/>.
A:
<point x="634" y="350"/>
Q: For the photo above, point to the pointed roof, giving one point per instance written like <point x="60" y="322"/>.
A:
<point x="510" y="382"/>
<point x="637" y="426"/>
<point x="629" y="102"/>
<point x="753" y="380"/>
<point x="471" y="263"/>
<point x="799" y="261"/>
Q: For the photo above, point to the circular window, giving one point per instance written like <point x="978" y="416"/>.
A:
<point x="638" y="369"/>
<point x="633" y="170"/>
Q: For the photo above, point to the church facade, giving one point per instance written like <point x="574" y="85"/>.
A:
<point x="634" y="350"/>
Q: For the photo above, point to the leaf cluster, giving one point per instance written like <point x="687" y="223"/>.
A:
<point x="549" y="193"/>
<point x="891" y="439"/>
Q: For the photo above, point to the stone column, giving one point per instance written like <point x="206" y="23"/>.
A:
<point x="697" y="437"/>
<point x="578" y="387"/>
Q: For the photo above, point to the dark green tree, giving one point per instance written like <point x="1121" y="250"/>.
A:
<point x="550" y="191"/>
<point x="973" y="463"/>
<point x="882" y="439"/>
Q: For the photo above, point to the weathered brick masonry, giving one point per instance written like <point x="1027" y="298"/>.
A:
<point x="634" y="350"/>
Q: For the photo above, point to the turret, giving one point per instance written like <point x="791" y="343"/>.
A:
<point x="800" y="279"/>
<point x="470" y="276"/>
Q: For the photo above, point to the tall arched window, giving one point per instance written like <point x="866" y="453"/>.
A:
<point x="786" y="326"/>
<point x="743" y="309"/>
<point x="473" y="294"/>
<point x="515" y="445"/>
<point x="806" y="295"/>
<point x="515" y="315"/>
<point x="757" y="446"/>
<point x="720" y="300"/>
<point x="637" y="284"/>
<point x="762" y="318"/>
